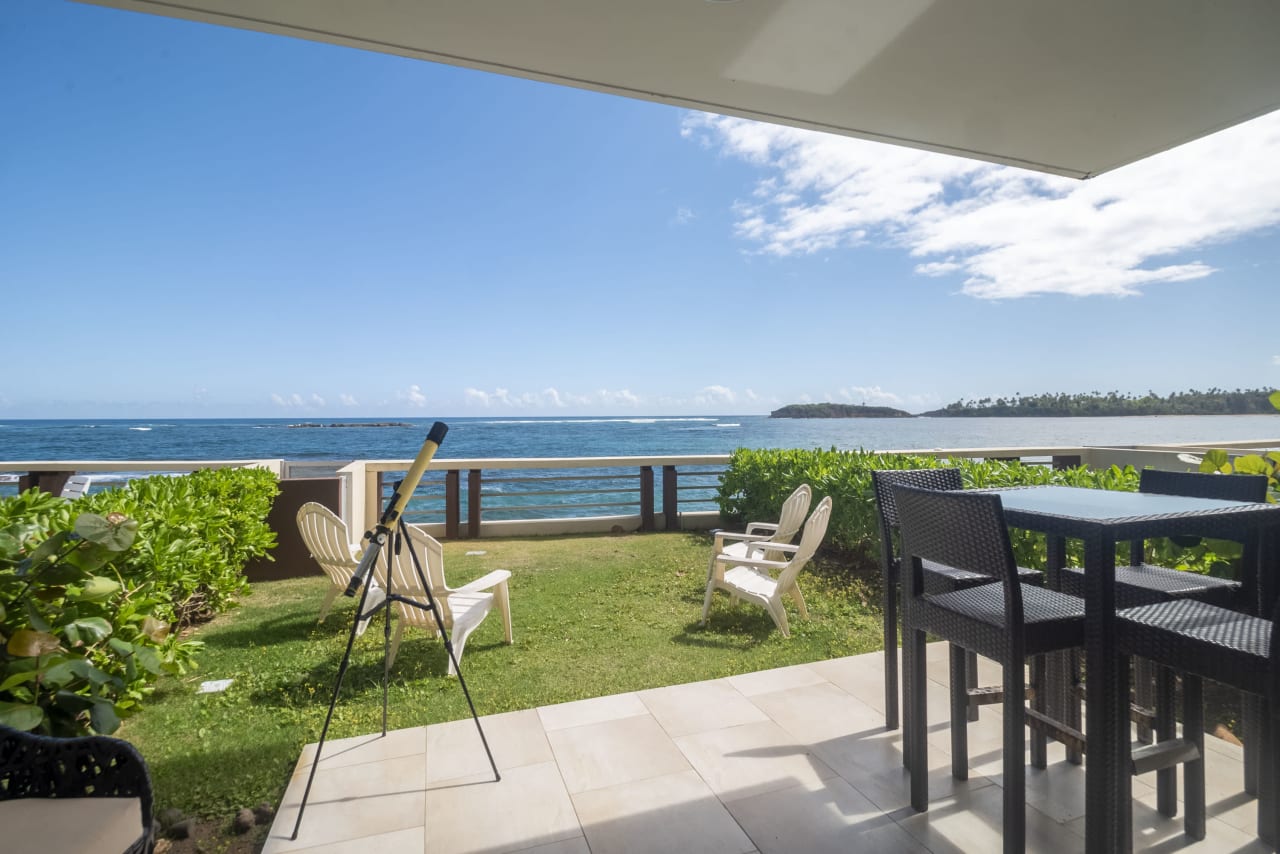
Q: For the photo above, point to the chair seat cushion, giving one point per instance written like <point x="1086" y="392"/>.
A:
<point x="70" y="825"/>
<point x="940" y="578"/>
<point x="1197" y="637"/>
<point x="1052" y="620"/>
<point x="1148" y="584"/>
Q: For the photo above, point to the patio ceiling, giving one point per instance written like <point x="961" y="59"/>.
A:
<point x="1071" y="88"/>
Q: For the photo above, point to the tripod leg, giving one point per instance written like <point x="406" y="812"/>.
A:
<point x="333" y="701"/>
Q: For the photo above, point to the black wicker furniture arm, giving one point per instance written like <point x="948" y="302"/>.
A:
<point x="38" y="766"/>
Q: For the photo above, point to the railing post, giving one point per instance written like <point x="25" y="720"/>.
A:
<point x="473" y="503"/>
<point x="1066" y="462"/>
<point x="646" y="498"/>
<point x="670" y="499"/>
<point x="452" y="504"/>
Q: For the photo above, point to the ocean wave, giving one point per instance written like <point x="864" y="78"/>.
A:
<point x="597" y="420"/>
<point x="728" y="425"/>
<point x="141" y="429"/>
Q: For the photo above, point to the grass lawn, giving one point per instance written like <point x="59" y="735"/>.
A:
<point x="592" y="616"/>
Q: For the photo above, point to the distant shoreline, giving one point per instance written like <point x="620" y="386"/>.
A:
<point x="309" y="424"/>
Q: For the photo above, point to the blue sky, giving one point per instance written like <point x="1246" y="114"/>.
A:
<point x="204" y="222"/>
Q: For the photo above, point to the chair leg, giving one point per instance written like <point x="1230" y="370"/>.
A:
<point x="889" y="600"/>
<point x="1251" y="726"/>
<point x="1145" y="695"/>
<point x="459" y="641"/>
<point x="1039" y="702"/>
<point x="1015" y="771"/>
<point x="917" y="720"/>
<point x="1193" y="770"/>
<point x="328" y="602"/>
<point x="958" y="684"/>
<point x="779" y="614"/>
<point x="706" y="600"/>
<point x="502" y="597"/>
<point x="799" y="600"/>
<point x="1269" y="775"/>
<point x="395" y="642"/>
<point x="971" y="681"/>
<point x="1166" y="729"/>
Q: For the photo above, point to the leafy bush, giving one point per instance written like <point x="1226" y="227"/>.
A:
<point x="195" y="535"/>
<point x="80" y="644"/>
<point x="758" y="481"/>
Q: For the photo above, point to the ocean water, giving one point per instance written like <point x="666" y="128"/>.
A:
<point x="231" y="439"/>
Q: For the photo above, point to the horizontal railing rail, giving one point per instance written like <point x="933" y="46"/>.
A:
<point x="494" y="496"/>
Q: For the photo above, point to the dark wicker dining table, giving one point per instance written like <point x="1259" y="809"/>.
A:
<point x="1101" y="518"/>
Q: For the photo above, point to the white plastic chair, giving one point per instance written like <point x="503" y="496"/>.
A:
<point x="76" y="486"/>
<point x="461" y="609"/>
<point x="750" y="577"/>
<point x="790" y="519"/>
<point x="326" y="537"/>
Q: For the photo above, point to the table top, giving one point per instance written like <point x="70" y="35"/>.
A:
<point x="1076" y="511"/>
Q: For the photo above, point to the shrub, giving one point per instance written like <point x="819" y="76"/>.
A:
<point x="758" y="481"/>
<point x="195" y="535"/>
<point x="80" y="643"/>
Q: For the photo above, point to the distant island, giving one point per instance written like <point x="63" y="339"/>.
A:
<point x="837" y="410"/>
<point x="1215" y="401"/>
<point x="357" y="424"/>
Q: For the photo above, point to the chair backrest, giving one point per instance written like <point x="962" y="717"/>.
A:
<point x="76" y="485"/>
<point x="815" y="528"/>
<point x="883" y="481"/>
<point x="965" y="530"/>
<point x="326" y="537"/>
<point x="1235" y="487"/>
<point x="793" y="513"/>
<point x="406" y="581"/>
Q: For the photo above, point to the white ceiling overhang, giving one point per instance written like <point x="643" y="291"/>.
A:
<point x="1071" y="87"/>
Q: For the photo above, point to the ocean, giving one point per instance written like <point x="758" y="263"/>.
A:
<point x="249" y="438"/>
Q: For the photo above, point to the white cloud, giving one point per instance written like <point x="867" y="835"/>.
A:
<point x="549" y="397"/>
<point x="683" y="216"/>
<point x="870" y="396"/>
<point x="1009" y="232"/>
<point x="316" y="400"/>
<point x="347" y="400"/>
<point x="714" y="395"/>
<point x="412" y="396"/>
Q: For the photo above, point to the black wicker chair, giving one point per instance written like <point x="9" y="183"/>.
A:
<point x="58" y="771"/>
<point x="1204" y="641"/>
<point x="1009" y="622"/>
<point x="938" y="579"/>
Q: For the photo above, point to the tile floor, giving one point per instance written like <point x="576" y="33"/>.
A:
<point x="786" y="761"/>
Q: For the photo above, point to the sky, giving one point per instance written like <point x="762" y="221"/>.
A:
<point x="203" y="222"/>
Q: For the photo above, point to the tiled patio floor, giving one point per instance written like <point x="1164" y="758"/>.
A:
<point x="785" y="761"/>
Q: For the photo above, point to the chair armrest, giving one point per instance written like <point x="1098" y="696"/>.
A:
<point x="755" y="527"/>
<point x="758" y="562"/>
<point x="746" y="538"/>
<point x="493" y="579"/>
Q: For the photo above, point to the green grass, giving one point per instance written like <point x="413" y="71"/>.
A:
<point x="592" y="616"/>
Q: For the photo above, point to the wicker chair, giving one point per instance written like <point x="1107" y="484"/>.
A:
<point x="1009" y="621"/>
<point x="1201" y="641"/>
<point x="73" y="794"/>
<point x="1145" y="584"/>
<point x="938" y="579"/>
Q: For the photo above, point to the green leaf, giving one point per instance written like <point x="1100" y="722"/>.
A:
<point x="1274" y="397"/>
<point x="50" y="547"/>
<point x="27" y="643"/>
<point x="16" y="679"/>
<point x="99" y="588"/>
<point x="20" y="716"/>
<point x="116" y="535"/>
<point x="88" y="629"/>
<point x="1252" y="464"/>
<point x="148" y="658"/>
<point x="103" y="718"/>
<point x="1216" y="460"/>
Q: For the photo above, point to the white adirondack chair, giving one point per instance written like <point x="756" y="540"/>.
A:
<point x="330" y="545"/>
<point x="750" y="577"/>
<point x="76" y="486"/>
<point x="462" y="609"/>
<point x="735" y="546"/>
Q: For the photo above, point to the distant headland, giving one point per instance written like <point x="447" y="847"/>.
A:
<point x="357" y="424"/>
<point x="837" y="410"/>
<point x="1215" y="401"/>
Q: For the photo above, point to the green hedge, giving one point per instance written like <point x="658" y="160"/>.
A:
<point x="91" y="590"/>
<point x="758" y="481"/>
